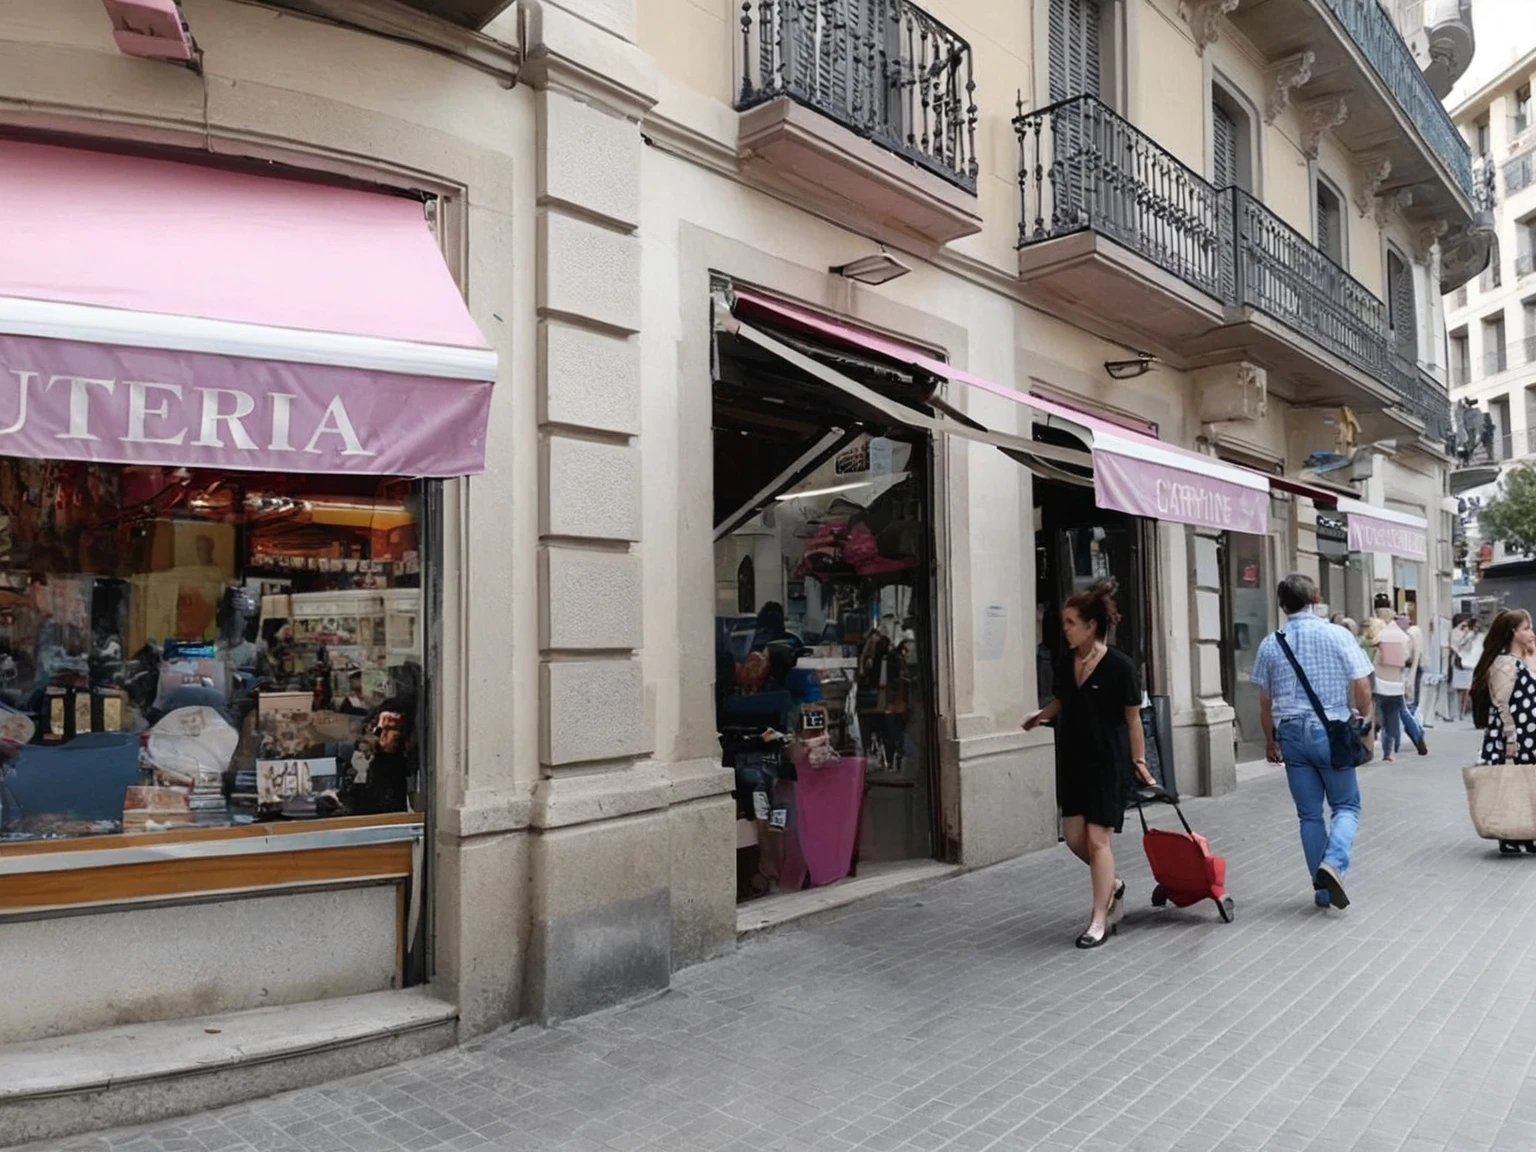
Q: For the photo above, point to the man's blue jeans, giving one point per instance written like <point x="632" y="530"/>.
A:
<point x="1411" y="725"/>
<point x="1313" y="779"/>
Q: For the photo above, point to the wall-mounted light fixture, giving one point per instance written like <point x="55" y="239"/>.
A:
<point x="1128" y="369"/>
<point x="153" y="29"/>
<point x="877" y="269"/>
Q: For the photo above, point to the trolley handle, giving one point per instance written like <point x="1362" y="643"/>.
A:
<point x="1158" y="792"/>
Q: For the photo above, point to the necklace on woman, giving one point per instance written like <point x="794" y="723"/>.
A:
<point x="1085" y="664"/>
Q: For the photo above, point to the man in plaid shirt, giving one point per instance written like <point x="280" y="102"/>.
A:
<point x="1340" y="675"/>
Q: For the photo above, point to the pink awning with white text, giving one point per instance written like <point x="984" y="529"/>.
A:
<point x="160" y="312"/>
<point x="1132" y="472"/>
<point x="1384" y="530"/>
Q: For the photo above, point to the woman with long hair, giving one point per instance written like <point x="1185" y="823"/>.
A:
<point x="1101" y="743"/>
<point x="1504" y="698"/>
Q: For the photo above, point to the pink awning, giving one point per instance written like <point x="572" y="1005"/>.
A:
<point x="1140" y="474"/>
<point x="1132" y="472"/>
<point x="1373" y="529"/>
<point x="159" y="312"/>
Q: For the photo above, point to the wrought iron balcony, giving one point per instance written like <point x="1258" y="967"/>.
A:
<point x="1423" y="397"/>
<point x="1261" y="289"/>
<point x="1084" y="167"/>
<point x="1282" y="273"/>
<point x="1374" y="34"/>
<point x="884" y="69"/>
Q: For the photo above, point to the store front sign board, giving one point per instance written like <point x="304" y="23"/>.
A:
<point x="1368" y="534"/>
<point x="71" y="400"/>
<point x="1385" y="530"/>
<point x="1160" y="492"/>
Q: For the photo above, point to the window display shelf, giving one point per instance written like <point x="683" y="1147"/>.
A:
<point x="103" y="870"/>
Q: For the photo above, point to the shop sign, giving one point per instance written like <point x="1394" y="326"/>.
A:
<point x="1160" y="492"/>
<point x="1368" y="534"/>
<point x="71" y="400"/>
<point x="1331" y="527"/>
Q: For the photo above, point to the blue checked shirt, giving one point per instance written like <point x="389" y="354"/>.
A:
<point x="1330" y="656"/>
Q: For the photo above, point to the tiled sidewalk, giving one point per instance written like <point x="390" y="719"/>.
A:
<point x="961" y="1017"/>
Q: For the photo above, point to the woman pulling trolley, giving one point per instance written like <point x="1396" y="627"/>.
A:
<point x="1100" y="743"/>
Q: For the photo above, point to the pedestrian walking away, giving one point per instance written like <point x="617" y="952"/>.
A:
<point x="1504" y="699"/>
<point x="1100" y="746"/>
<point x="1339" y="676"/>
<point x="1391" y="651"/>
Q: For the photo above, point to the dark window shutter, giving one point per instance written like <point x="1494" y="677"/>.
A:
<point x="1400" y="305"/>
<point x="1224" y="145"/>
<point x="1073" y="64"/>
<point x="1325" y="227"/>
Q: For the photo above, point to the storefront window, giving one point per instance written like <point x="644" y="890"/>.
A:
<point x="823" y="705"/>
<point x="184" y="648"/>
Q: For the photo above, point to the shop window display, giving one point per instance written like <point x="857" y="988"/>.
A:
<point x="822" y="695"/>
<point x="183" y="648"/>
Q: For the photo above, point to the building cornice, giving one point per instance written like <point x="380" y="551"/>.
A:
<point x="398" y="22"/>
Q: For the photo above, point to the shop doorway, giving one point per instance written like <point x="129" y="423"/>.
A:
<point x="825" y="670"/>
<point x="1248" y="615"/>
<point x="1076" y="544"/>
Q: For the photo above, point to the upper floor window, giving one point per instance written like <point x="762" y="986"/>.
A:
<point x="1461" y="359"/>
<point x="1076" y="48"/>
<point x="1491" y="278"/>
<point x="1484" y="144"/>
<point x="1494" y="359"/>
<point x="1521" y="119"/>
<point x="1231" y="141"/>
<point x="1330" y="222"/>
<point x="1400" y="306"/>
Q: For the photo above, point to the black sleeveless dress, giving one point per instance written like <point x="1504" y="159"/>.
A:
<point x="1522" y="711"/>
<point x="1094" y="772"/>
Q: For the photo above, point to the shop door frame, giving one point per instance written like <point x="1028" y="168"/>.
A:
<point x="1252" y="749"/>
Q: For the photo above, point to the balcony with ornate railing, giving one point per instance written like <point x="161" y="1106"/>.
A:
<point x="1383" y="46"/>
<point x="1422" y="397"/>
<point x="1117" y="234"/>
<point x="1283" y="274"/>
<point x="1361" y="72"/>
<point x="884" y="69"/>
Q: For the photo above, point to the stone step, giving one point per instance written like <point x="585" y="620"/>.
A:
<point x="138" y="1073"/>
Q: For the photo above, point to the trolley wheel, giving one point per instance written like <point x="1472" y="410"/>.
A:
<point x="1159" y="897"/>
<point x="1228" y="909"/>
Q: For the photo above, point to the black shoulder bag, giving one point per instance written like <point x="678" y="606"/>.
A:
<point x="1346" y="743"/>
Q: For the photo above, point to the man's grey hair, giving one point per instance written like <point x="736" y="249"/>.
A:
<point x="1297" y="593"/>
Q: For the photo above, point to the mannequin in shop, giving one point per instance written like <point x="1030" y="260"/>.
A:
<point x="1102" y="744"/>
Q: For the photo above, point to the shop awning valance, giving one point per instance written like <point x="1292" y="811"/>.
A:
<point x="1385" y="530"/>
<point x="1132" y="472"/>
<point x="160" y="312"/>
<point x="1139" y="474"/>
<point x="947" y="421"/>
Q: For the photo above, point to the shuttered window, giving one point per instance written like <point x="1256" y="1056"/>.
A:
<point x="1074" y="49"/>
<point x="1224" y="146"/>
<point x="1400" y="305"/>
<point x="1330" y="224"/>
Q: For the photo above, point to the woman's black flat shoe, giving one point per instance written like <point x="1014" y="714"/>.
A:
<point x="1509" y="847"/>
<point x="1089" y="940"/>
<point x="1529" y="846"/>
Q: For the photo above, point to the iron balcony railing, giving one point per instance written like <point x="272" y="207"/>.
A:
<point x="882" y="68"/>
<point x="1373" y="32"/>
<point x="1422" y="396"/>
<point x="1083" y="167"/>
<point x="1282" y="273"/>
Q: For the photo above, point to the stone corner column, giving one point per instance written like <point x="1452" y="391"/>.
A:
<point x="604" y="848"/>
<point x="1208" y="744"/>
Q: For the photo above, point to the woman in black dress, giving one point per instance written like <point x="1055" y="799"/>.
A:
<point x="1099" y="734"/>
